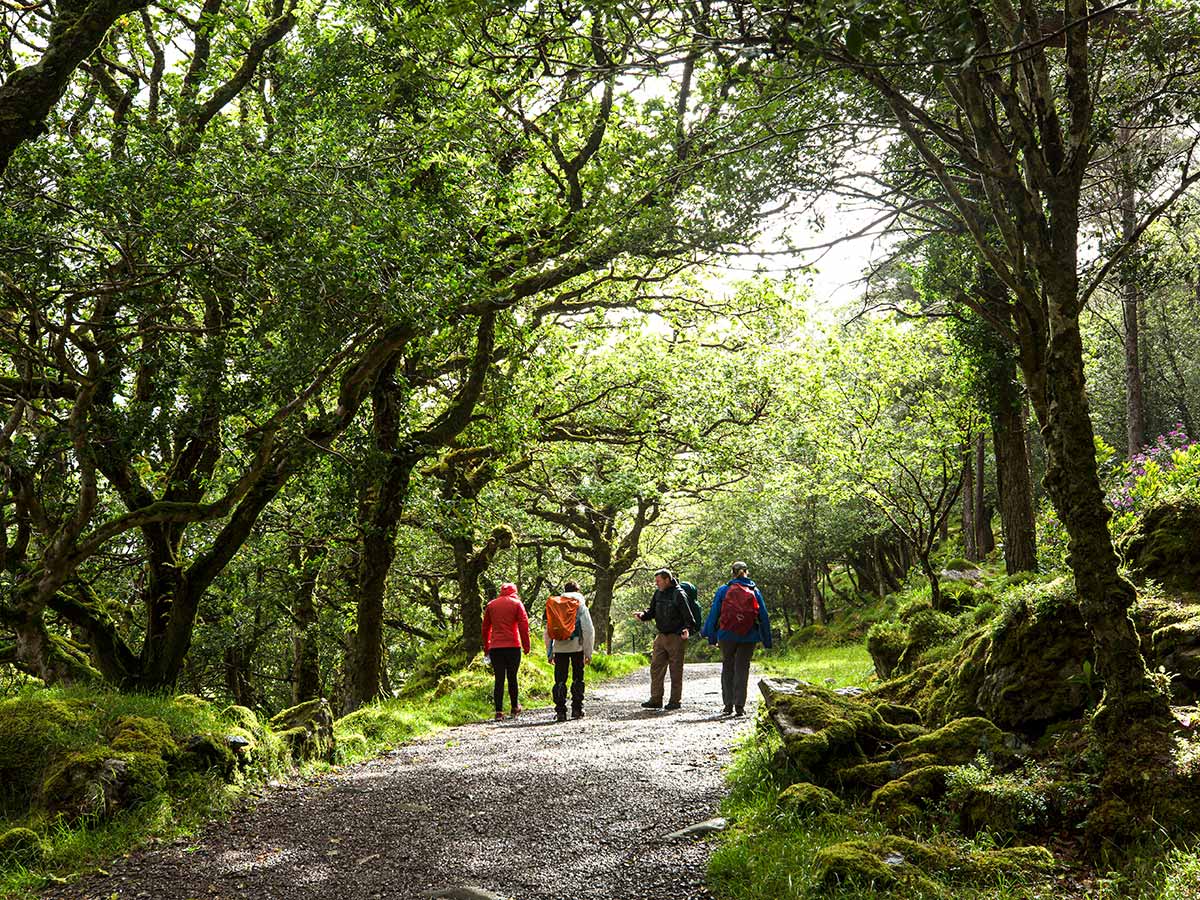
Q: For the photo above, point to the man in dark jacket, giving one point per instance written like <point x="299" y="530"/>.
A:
<point x="670" y="611"/>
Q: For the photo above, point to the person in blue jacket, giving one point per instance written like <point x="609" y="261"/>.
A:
<point x="737" y="639"/>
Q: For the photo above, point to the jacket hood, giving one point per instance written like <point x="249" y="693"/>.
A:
<point x="508" y="589"/>
<point x="746" y="581"/>
<point x="575" y="595"/>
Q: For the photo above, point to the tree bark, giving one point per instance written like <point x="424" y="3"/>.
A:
<point x="606" y="586"/>
<point x="985" y="540"/>
<point x="936" y="598"/>
<point x="970" y="534"/>
<point x="1014" y="485"/>
<point x="306" y="650"/>
<point x="1105" y="597"/>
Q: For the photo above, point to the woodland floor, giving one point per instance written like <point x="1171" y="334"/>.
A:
<point x="526" y="808"/>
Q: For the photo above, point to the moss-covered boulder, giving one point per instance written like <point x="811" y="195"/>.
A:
<point x="961" y="741"/>
<point x="870" y="776"/>
<point x="307" y="730"/>
<point x="1165" y="545"/>
<point x="806" y="799"/>
<point x="908" y="797"/>
<point x="898" y="713"/>
<point x="1022" y="671"/>
<point x="207" y="752"/>
<point x="20" y="847"/>
<point x="1008" y="806"/>
<point x="824" y="730"/>
<point x="907" y="868"/>
<point x="927" y="628"/>
<point x="886" y="642"/>
<point x="135" y="734"/>
<point x="33" y="730"/>
<point x="100" y="781"/>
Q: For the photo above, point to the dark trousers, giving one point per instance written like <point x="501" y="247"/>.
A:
<point x="563" y="662"/>
<point x="505" y="663"/>
<point x="735" y="671"/>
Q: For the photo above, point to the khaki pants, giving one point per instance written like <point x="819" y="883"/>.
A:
<point x="667" y="653"/>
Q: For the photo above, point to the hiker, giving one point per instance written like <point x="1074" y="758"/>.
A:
<point x="737" y="621"/>
<point x="673" y="615"/>
<point x="570" y="640"/>
<point x="505" y="634"/>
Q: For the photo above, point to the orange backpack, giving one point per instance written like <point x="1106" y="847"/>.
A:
<point x="561" y="613"/>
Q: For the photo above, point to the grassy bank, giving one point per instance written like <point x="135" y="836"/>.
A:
<point x="445" y="690"/>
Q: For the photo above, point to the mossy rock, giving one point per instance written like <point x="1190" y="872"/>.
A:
<point x="898" y="713"/>
<point x="1022" y="671"/>
<point x="245" y="718"/>
<point x="1003" y="806"/>
<point x="992" y="864"/>
<point x="906" y="798"/>
<point x="906" y="867"/>
<point x="823" y="730"/>
<point x="806" y="799"/>
<point x="1165" y="544"/>
<point x="207" y="752"/>
<point x="99" y="782"/>
<point x="34" y="731"/>
<point x="961" y="741"/>
<point x="886" y="642"/>
<point x="874" y="775"/>
<point x="136" y="734"/>
<point x="307" y="729"/>
<point x="21" y="847"/>
<point x="927" y="629"/>
<point x="351" y="745"/>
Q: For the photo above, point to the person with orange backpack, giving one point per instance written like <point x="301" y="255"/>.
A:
<point x="737" y="621"/>
<point x="570" y="641"/>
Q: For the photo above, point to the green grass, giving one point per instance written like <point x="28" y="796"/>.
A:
<point x="837" y="666"/>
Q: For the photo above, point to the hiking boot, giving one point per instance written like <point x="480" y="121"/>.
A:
<point x="577" y="714"/>
<point x="740" y="711"/>
<point x="674" y="704"/>
<point x="560" y="715"/>
<point x="727" y="711"/>
<point x="652" y="704"/>
<point x="517" y="710"/>
<point x="499" y="715"/>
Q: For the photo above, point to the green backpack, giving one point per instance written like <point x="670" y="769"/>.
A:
<point x="691" y="593"/>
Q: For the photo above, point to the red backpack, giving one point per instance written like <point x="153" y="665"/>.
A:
<point x="739" y="609"/>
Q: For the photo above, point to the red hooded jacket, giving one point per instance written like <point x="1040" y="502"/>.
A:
<point x="505" y="623"/>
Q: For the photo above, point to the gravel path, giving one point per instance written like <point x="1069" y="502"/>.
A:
<point x="528" y="809"/>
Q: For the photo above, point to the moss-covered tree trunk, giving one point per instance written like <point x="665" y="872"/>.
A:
<point x="1105" y="597"/>
<point x="306" y="649"/>
<point x="1014" y="486"/>
<point x="970" y="544"/>
<point x="602" y="600"/>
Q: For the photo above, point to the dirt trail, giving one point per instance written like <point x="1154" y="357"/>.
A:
<point x="527" y="809"/>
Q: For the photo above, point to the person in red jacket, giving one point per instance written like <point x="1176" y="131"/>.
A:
<point x="505" y="635"/>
